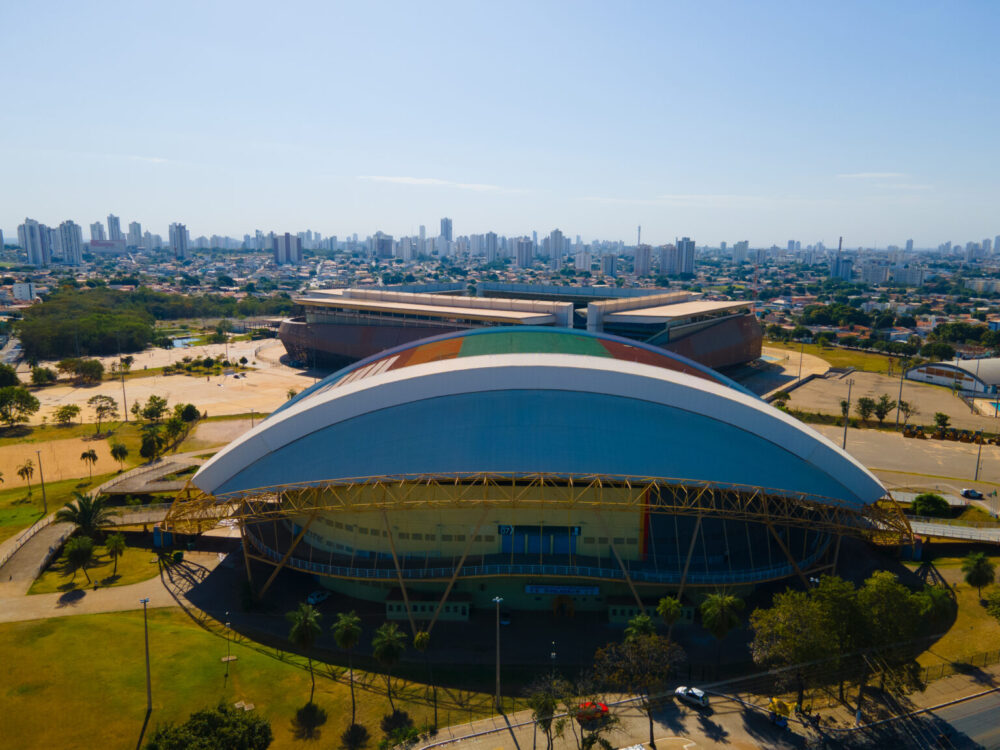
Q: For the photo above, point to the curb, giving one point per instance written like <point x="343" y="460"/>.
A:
<point x="917" y="712"/>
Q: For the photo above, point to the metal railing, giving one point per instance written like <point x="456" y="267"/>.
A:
<point x="26" y="537"/>
<point x="955" y="522"/>
<point x="529" y="569"/>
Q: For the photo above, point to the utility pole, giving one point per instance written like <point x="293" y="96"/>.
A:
<point x="902" y="369"/>
<point x="979" y="454"/>
<point x="802" y="348"/>
<point x="847" y="416"/>
<point x="149" y="685"/>
<point x="41" y="476"/>
<point x="497" y="600"/>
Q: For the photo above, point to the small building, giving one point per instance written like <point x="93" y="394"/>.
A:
<point x="969" y="375"/>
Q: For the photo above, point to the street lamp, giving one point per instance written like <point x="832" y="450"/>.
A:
<point x="847" y="414"/>
<point x="41" y="477"/>
<point x="497" y="600"/>
<point x="899" y="399"/>
<point x="149" y="685"/>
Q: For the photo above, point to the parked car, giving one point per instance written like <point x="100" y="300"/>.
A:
<point x="692" y="695"/>
<point x="972" y="494"/>
<point x="321" y="595"/>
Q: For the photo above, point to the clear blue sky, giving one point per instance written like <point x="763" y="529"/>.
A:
<point x="718" y="120"/>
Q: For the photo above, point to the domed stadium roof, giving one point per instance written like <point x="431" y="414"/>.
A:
<point x="536" y="401"/>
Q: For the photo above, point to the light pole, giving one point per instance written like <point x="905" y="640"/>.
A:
<point x="979" y="454"/>
<point x="41" y="477"/>
<point x="802" y="348"/>
<point x="899" y="399"/>
<point x="497" y="600"/>
<point x="251" y="419"/>
<point x="847" y="413"/>
<point x="149" y="684"/>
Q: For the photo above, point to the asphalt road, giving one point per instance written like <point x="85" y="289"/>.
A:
<point x="974" y="722"/>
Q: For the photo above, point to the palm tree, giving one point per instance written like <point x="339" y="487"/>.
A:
<point x="119" y="453"/>
<point x="387" y="647"/>
<point x="303" y="634"/>
<point x="116" y="546"/>
<point x="669" y="609"/>
<point x="347" y="633"/>
<point x="79" y="554"/>
<point x="979" y="570"/>
<point x="720" y="613"/>
<point x="1" y="477"/>
<point x="90" y="457"/>
<point x="26" y="471"/>
<point x="87" y="513"/>
<point x="638" y="626"/>
<point x="421" y="641"/>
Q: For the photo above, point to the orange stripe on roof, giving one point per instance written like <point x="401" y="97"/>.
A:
<point x="646" y="357"/>
<point x="436" y="350"/>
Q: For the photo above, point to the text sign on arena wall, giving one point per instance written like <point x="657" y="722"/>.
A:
<point x="562" y="590"/>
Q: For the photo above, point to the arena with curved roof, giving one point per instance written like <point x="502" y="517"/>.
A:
<point x="555" y="467"/>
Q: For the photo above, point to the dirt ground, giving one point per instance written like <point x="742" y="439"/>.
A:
<point x="262" y="389"/>
<point x="209" y="435"/>
<point x="60" y="460"/>
<point x="825" y="394"/>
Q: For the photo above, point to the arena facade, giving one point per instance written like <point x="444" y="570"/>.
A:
<point x="558" y="468"/>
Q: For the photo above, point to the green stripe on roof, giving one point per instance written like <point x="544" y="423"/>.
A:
<point x="528" y="342"/>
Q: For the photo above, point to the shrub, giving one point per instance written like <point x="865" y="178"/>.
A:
<point x="930" y="504"/>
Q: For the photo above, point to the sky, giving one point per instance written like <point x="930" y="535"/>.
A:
<point x="765" y="121"/>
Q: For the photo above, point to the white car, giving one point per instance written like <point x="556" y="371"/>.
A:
<point x="318" y="596"/>
<point x="692" y="695"/>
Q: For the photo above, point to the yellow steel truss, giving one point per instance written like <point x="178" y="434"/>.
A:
<point x="883" y="522"/>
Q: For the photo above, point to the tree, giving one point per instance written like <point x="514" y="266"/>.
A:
<point x="79" y="553"/>
<point x="781" y="399"/>
<point x="304" y="631"/>
<point x="720" y="613"/>
<point x="151" y="442"/>
<point x="941" y="420"/>
<point x="116" y="546"/>
<point x="792" y="631"/>
<point x="930" y="504"/>
<point x="865" y="407"/>
<point x="26" y="471"/>
<point x="290" y="394"/>
<point x="16" y="405"/>
<point x="979" y="570"/>
<point x="883" y="406"/>
<point x="119" y="452"/>
<point x="89" y="370"/>
<point x="844" y="407"/>
<point x="639" y="666"/>
<point x="387" y="648"/>
<point x="66" y="413"/>
<point x="907" y="410"/>
<point x="669" y="609"/>
<point x="87" y="513"/>
<point x="938" y="350"/>
<point x="173" y="428"/>
<point x="638" y="626"/>
<point x="421" y="642"/>
<point x="89" y="457"/>
<point x="8" y="376"/>
<point x="42" y="376"/>
<point x="190" y="413"/>
<point x="993" y="604"/>
<point x="221" y="728"/>
<point x="104" y="408"/>
<point x="544" y="696"/>
<point x="346" y="634"/>
<point x="154" y="409"/>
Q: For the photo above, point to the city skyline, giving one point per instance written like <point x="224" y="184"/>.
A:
<point x="718" y="121"/>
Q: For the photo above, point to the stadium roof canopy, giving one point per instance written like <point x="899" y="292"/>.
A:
<point x="536" y="401"/>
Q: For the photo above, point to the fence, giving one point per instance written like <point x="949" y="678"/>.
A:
<point x="25" y="537"/>
<point x="964" y="665"/>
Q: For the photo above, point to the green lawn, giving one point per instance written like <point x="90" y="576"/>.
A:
<point x="837" y="357"/>
<point x="18" y="510"/>
<point x="90" y="672"/>
<point x="137" y="564"/>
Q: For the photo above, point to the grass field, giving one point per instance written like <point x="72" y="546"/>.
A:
<point x="18" y="510"/>
<point x="137" y="564"/>
<point x="89" y="671"/>
<point x="837" y="357"/>
<point x="974" y="630"/>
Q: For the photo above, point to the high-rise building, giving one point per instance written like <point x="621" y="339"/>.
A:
<point x="669" y="265"/>
<point x="71" y="242"/>
<point x="909" y="246"/>
<point x="791" y="246"/>
<point x="97" y="232"/>
<point x="740" y="251"/>
<point x="1" y="239"/>
<point x="608" y="265"/>
<point x="446" y="229"/>
<point x="134" y="234"/>
<point x="490" y="246"/>
<point x="556" y="244"/>
<point x="685" y="255"/>
<point x="114" y="228"/>
<point x="582" y="261"/>
<point x="382" y="245"/>
<point x="641" y="265"/>
<point x="179" y="241"/>
<point x="34" y="240"/>
<point x="525" y="252"/>
<point x="987" y="246"/>
<point x="288" y="248"/>
<point x="423" y="234"/>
